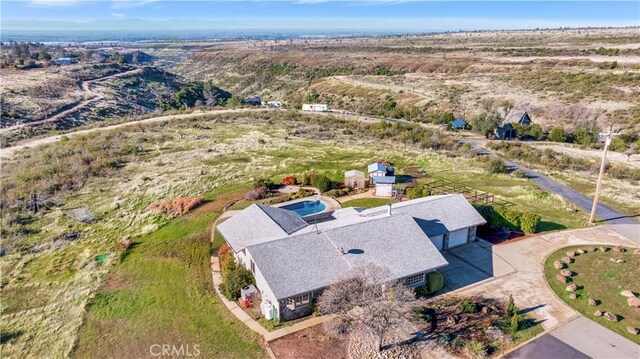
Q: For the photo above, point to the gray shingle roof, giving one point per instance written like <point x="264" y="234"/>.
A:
<point x="295" y="257"/>
<point x="436" y="215"/>
<point x="259" y="223"/>
<point x="313" y="260"/>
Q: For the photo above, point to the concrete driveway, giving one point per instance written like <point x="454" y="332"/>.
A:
<point x="579" y="338"/>
<point x="517" y="268"/>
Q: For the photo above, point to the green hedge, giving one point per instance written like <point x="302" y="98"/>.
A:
<point x="435" y="281"/>
<point x="504" y="217"/>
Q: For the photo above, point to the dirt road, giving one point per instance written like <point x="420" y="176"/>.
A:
<point x="8" y="152"/>
<point x="90" y="96"/>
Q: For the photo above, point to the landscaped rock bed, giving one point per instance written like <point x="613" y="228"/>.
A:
<point x="475" y="327"/>
<point x="601" y="284"/>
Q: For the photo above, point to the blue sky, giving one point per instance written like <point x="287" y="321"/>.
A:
<point x="382" y="15"/>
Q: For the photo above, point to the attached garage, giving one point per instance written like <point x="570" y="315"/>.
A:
<point x="458" y="238"/>
<point x="438" y="241"/>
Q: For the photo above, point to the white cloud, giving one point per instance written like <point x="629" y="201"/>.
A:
<point x="117" y="14"/>
<point x="53" y="2"/>
<point x="120" y="4"/>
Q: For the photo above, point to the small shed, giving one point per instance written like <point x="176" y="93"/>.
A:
<point x="379" y="169"/>
<point x="384" y="186"/>
<point x="354" y="179"/>
<point x="459" y="124"/>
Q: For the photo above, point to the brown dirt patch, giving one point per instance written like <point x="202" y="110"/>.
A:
<point x="310" y="343"/>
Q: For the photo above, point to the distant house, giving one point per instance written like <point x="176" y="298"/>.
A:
<point x="293" y="260"/>
<point x="506" y="131"/>
<point x="459" y="124"/>
<point x="253" y="101"/>
<point x="520" y="117"/>
<point x="354" y="179"/>
<point x="315" y="107"/>
<point x="384" y="186"/>
<point x="63" y="61"/>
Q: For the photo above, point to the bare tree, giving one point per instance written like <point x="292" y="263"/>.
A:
<point x="367" y="303"/>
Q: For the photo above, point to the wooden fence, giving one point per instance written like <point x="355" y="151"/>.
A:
<point x="472" y="195"/>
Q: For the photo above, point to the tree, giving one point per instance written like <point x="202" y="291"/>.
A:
<point x="584" y="136"/>
<point x="486" y="123"/>
<point x="235" y="101"/>
<point x="557" y="134"/>
<point x="321" y="182"/>
<point x="366" y="303"/>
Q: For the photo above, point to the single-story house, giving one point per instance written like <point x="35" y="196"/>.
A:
<point x="315" y="107"/>
<point x="354" y="179"/>
<point x="379" y="169"/>
<point x="63" y="61"/>
<point x="253" y="101"/>
<point x="383" y="185"/>
<point x="459" y="124"/>
<point x="293" y="261"/>
<point x="520" y="117"/>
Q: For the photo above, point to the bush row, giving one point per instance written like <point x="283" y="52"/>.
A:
<point x="500" y="216"/>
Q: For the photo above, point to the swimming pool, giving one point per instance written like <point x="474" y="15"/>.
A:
<point x="305" y="208"/>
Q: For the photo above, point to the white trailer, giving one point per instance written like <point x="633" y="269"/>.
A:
<point x="315" y="107"/>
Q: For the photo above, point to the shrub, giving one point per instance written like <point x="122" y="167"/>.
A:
<point x="321" y="182"/>
<point x="418" y="192"/>
<point x="475" y="349"/>
<point x="227" y="266"/>
<point x="511" y="306"/>
<point x="223" y="252"/>
<point x="557" y="134"/>
<point x="178" y="206"/>
<point x="467" y="306"/>
<point x="519" y="173"/>
<point x="289" y="180"/>
<point x="516" y="321"/>
<point x="495" y="165"/>
<point x="236" y="279"/>
<point x="529" y="222"/>
<point x="435" y="281"/>
<point x="255" y="194"/>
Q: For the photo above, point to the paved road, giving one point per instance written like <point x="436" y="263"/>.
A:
<point x="579" y="338"/>
<point x="603" y="212"/>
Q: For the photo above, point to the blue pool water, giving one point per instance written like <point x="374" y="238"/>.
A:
<point x="305" y="208"/>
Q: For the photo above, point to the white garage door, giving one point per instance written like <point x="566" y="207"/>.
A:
<point x="458" y="237"/>
<point x="438" y="241"/>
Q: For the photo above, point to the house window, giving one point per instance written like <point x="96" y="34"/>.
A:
<point x="414" y="280"/>
<point x="298" y="301"/>
<point x="253" y="267"/>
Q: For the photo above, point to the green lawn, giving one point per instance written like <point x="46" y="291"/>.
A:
<point x="556" y="213"/>
<point x="368" y="202"/>
<point x="162" y="293"/>
<point x="598" y="277"/>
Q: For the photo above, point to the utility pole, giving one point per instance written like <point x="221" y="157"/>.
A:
<point x="607" y="141"/>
